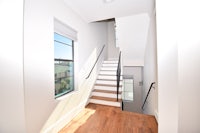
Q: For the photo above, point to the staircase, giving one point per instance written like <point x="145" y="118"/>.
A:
<point x="105" y="88"/>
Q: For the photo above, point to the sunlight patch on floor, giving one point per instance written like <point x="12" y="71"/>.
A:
<point x="79" y="120"/>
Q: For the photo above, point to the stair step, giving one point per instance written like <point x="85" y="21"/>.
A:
<point x="109" y="65"/>
<point x="109" y="88"/>
<point x="111" y="61"/>
<point x="109" y="79"/>
<point x="108" y="68"/>
<point x="108" y="103"/>
<point x="101" y="76"/>
<point x="108" y="85"/>
<point x="106" y="91"/>
<point x="108" y="72"/>
<point x="108" y="95"/>
<point x="106" y="82"/>
<point x="106" y="99"/>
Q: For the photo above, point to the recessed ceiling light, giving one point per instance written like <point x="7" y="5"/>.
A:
<point x="108" y="1"/>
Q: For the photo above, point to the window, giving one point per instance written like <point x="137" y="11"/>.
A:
<point x="64" y="37"/>
<point x="63" y="64"/>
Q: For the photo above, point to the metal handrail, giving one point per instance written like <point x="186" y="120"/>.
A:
<point x="148" y="94"/>
<point x="95" y="62"/>
<point x="118" y="73"/>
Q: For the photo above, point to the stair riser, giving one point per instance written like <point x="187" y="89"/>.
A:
<point x="107" y="88"/>
<point x="102" y="102"/>
<point x="108" y="77"/>
<point x="105" y="82"/>
<point x="109" y="68"/>
<point x="108" y="73"/>
<point x="109" y="65"/>
<point x="110" y="62"/>
<point x="113" y="59"/>
<point x="106" y="95"/>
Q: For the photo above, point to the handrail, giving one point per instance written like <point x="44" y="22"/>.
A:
<point x="95" y="62"/>
<point x="147" y="94"/>
<point x="118" y="73"/>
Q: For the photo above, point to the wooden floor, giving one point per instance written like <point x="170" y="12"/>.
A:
<point x="106" y="119"/>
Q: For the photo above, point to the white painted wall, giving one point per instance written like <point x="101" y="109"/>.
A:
<point x="150" y="69"/>
<point x="167" y="58"/>
<point x="113" y="51"/>
<point x="131" y="32"/>
<point x="189" y="66"/>
<point x="43" y="112"/>
<point x="12" y="117"/>
<point x="178" y="66"/>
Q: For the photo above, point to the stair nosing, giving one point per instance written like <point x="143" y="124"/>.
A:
<point x="107" y="74"/>
<point x="108" y="70"/>
<point x="109" y="79"/>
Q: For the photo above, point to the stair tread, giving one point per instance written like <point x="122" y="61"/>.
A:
<point x="106" y="91"/>
<point x="105" y="99"/>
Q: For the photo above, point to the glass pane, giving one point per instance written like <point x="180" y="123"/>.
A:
<point x="62" y="51"/>
<point x="64" y="78"/>
<point x="128" y="88"/>
<point x="62" y="39"/>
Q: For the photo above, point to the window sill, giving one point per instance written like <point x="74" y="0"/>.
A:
<point x="66" y="95"/>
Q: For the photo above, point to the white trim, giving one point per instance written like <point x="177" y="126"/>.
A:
<point x="110" y="95"/>
<point x="102" y="102"/>
<point x="66" y="95"/>
<point x="65" y="30"/>
<point x="156" y="115"/>
<point x="66" y="118"/>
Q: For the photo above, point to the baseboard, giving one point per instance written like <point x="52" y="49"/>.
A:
<point x="58" y="125"/>
<point x="156" y="115"/>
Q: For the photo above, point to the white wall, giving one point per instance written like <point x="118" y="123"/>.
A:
<point x="178" y="66"/>
<point x="150" y="69"/>
<point x="189" y="66"/>
<point x="12" y="117"/>
<point x="131" y="32"/>
<point x="167" y="58"/>
<point x="113" y="51"/>
<point x="41" y="107"/>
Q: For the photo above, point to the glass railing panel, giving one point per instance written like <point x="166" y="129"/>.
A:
<point x="127" y="93"/>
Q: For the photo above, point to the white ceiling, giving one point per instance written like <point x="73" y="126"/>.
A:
<point x="96" y="10"/>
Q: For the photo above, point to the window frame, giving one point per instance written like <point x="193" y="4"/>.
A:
<point x="64" y="60"/>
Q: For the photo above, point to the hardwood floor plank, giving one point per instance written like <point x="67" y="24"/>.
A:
<point x="106" y="119"/>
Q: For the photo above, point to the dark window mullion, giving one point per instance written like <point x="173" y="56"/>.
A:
<point x="63" y="60"/>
